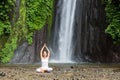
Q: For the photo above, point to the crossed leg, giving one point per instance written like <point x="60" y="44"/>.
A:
<point x="42" y="70"/>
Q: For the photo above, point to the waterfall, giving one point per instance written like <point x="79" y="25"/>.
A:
<point x="77" y="34"/>
<point x="65" y="11"/>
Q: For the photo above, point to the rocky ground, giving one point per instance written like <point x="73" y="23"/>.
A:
<point x="61" y="72"/>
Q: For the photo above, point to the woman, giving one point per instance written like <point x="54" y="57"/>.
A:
<point x="44" y="55"/>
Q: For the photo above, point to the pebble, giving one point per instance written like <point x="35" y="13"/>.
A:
<point x="2" y="74"/>
<point x="71" y="67"/>
<point x="67" y="73"/>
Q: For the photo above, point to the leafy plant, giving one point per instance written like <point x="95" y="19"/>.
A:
<point x="33" y="15"/>
<point x="113" y="18"/>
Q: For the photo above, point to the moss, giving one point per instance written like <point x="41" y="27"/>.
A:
<point x="33" y="15"/>
<point x="50" y="18"/>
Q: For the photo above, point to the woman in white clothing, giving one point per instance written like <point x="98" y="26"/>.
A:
<point x="44" y="55"/>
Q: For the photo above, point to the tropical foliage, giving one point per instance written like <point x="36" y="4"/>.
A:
<point x="113" y="19"/>
<point x="17" y="26"/>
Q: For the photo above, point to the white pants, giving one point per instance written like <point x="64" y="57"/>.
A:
<point x="42" y="68"/>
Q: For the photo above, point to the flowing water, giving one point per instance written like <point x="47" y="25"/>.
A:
<point x="65" y="33"/>
<point x="77" y="34"/>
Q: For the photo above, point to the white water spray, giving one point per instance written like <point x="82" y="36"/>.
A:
<point x="66" y="30"/>
<point x="64" y="21"/>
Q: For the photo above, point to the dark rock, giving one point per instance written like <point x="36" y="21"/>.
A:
<point x="71" y="67"/>
<point x="2" y="74"/>
<point x="89" y="36"/>
<point x="26" y="53"/>
<point x="77" y="79"/>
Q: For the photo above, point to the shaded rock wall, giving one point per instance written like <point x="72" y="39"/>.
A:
<point x="113" y="54"/>
<point x="89" y="37"/>
<point x="26" y="53"/>
<point x="91" y="42"/>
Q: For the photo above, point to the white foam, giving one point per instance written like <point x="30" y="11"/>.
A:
<point x="65" y="45"/>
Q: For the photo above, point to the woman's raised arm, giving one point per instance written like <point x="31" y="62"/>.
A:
<point x="48" y="50"/>
<point x="42" y="51"/>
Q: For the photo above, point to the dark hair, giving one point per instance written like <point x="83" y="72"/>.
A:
<point x="45" y="51"/>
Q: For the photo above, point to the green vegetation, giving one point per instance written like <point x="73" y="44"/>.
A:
<point x="113" y="18"/>
<point x="33" y="15"/>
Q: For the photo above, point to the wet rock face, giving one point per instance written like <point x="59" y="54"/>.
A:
<point x="89" y="37"/>
<point x="26" y="53"/>
<point x="91" y="43"/>
<point x="23" y="54"/>
<point x="113" y="54"/>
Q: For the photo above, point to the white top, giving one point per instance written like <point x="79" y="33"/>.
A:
<point x="44" y="63"/>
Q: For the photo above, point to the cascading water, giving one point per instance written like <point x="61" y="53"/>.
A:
<point x="65" y="33"/>
<point x="87" y="37"/>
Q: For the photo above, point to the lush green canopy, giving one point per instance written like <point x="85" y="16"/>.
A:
<point x="17" y="26"/>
